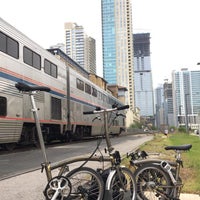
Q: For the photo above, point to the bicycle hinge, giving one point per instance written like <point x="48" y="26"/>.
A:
<point x="167" y="167"/>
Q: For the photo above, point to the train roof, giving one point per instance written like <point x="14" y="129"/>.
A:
<point x="57" y="51"/>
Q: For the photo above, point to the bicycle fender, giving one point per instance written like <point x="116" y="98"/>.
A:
<point x="108" y="192"/>
<point x="108" y="181"/>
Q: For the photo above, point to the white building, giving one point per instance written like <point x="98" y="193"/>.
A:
<point x="80" y="47"/>
<point x="186" y="93"/>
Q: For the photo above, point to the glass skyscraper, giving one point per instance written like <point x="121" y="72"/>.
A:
<point x="117" y="45"/>
<point x="109" y="41"/>
<point x="144" y="97"/>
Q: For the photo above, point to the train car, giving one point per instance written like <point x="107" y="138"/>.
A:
<point x="84" y="96"/>
<point x="60" y="111"/>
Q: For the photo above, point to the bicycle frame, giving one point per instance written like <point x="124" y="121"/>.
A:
<point x="168" y="166"/>
<point x="115" y="159"/>
<point x="31" y="91"/>
<point x="63" y="165"/>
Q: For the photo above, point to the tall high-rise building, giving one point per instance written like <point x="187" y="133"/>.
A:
<point x="90" y="55"/>
<point x="168" y="104"/>
<point x="186" y="93"/>
<point x="159" y="109"/>
<point x="117" y="45"/>
<point x="144" y="98"/>
<point x="80" y="47"/>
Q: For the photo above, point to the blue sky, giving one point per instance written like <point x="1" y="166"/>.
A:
<point x="173" y="25"/>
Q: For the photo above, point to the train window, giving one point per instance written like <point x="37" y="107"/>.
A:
<point x="2" y="42"/>
<point x="54" y="70"/>
<point x="31" y="58"/>
<point x="94" y="92"/>
<point x="12" y="48"/>
<point x="100" y="95"/>
<point x="55" y="108"/>
<point x="80" y="84"/>
<point x="9" y="45"/>
<point x="109" y="100"/>
<point x="36" y="61"/>
<point x="104" y="97"/>
<point x="87" y="88"/>
<point x="3" y="106"/>
<point x="50" y="68"/>
<point x="27" y="55"/>
<point x="47" y="67"/>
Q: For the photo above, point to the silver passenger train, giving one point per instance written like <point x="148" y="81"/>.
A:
<point x="61" y="110"/>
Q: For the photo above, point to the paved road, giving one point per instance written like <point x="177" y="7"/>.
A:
<point x="20" y="162"/>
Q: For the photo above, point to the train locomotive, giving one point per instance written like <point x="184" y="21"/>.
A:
<point x="60" y="110"/>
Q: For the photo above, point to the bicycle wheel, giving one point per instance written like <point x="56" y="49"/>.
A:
<point x="153" y="183"/>
<point x="116" y="188"/>
<point x="86" y="183"/>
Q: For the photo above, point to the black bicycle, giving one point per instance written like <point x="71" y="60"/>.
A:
<point x="82" y="183"/>
<point x="119" y="181"/>
<point x="158" y="179"/>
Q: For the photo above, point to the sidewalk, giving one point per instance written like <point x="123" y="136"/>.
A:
<point x="30" y="186"/>
<point x="190" y="197"/>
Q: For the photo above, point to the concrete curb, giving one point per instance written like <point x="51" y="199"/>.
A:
<point x="190" y="197"/>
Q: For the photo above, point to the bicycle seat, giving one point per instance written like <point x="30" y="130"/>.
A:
<point x="28" y="88"/>
<point x="184" y="147"/>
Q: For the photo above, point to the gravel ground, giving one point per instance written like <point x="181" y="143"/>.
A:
<point x="30" y="187"/>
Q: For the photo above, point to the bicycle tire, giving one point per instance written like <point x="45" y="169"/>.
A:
<point x="116" y="189"/>
<point x="152" y="183"/>
<point x="86" y="183"/>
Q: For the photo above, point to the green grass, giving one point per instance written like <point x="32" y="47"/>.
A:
<point x="190" y="173"/>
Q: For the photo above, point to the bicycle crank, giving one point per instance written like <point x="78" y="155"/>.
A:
<point x="58" y="187"/>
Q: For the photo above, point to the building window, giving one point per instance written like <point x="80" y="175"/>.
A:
<point x="9" y="46"/>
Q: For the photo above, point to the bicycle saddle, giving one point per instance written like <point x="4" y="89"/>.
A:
<point x="184" y="147"/>
<point x="28" y="88"/>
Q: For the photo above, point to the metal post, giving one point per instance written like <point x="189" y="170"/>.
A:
<point x="35" y="114"/>
<point x="110" y="148"/>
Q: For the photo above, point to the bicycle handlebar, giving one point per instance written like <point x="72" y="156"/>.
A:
<point x="105" y="110"/>
<point x="123" y="107"/>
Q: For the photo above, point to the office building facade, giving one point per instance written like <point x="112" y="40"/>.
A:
<point x="159" y="106"/>
<point x="144" y="95"/>
<point x="168" y="104"/>
<point x="186" y="92"/>
<point x="80" y="47"/>
<point x="117" y="45"/>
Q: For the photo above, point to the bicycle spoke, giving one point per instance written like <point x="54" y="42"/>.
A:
<point x="152" y="184"/>
<point x="86" y="184"/>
